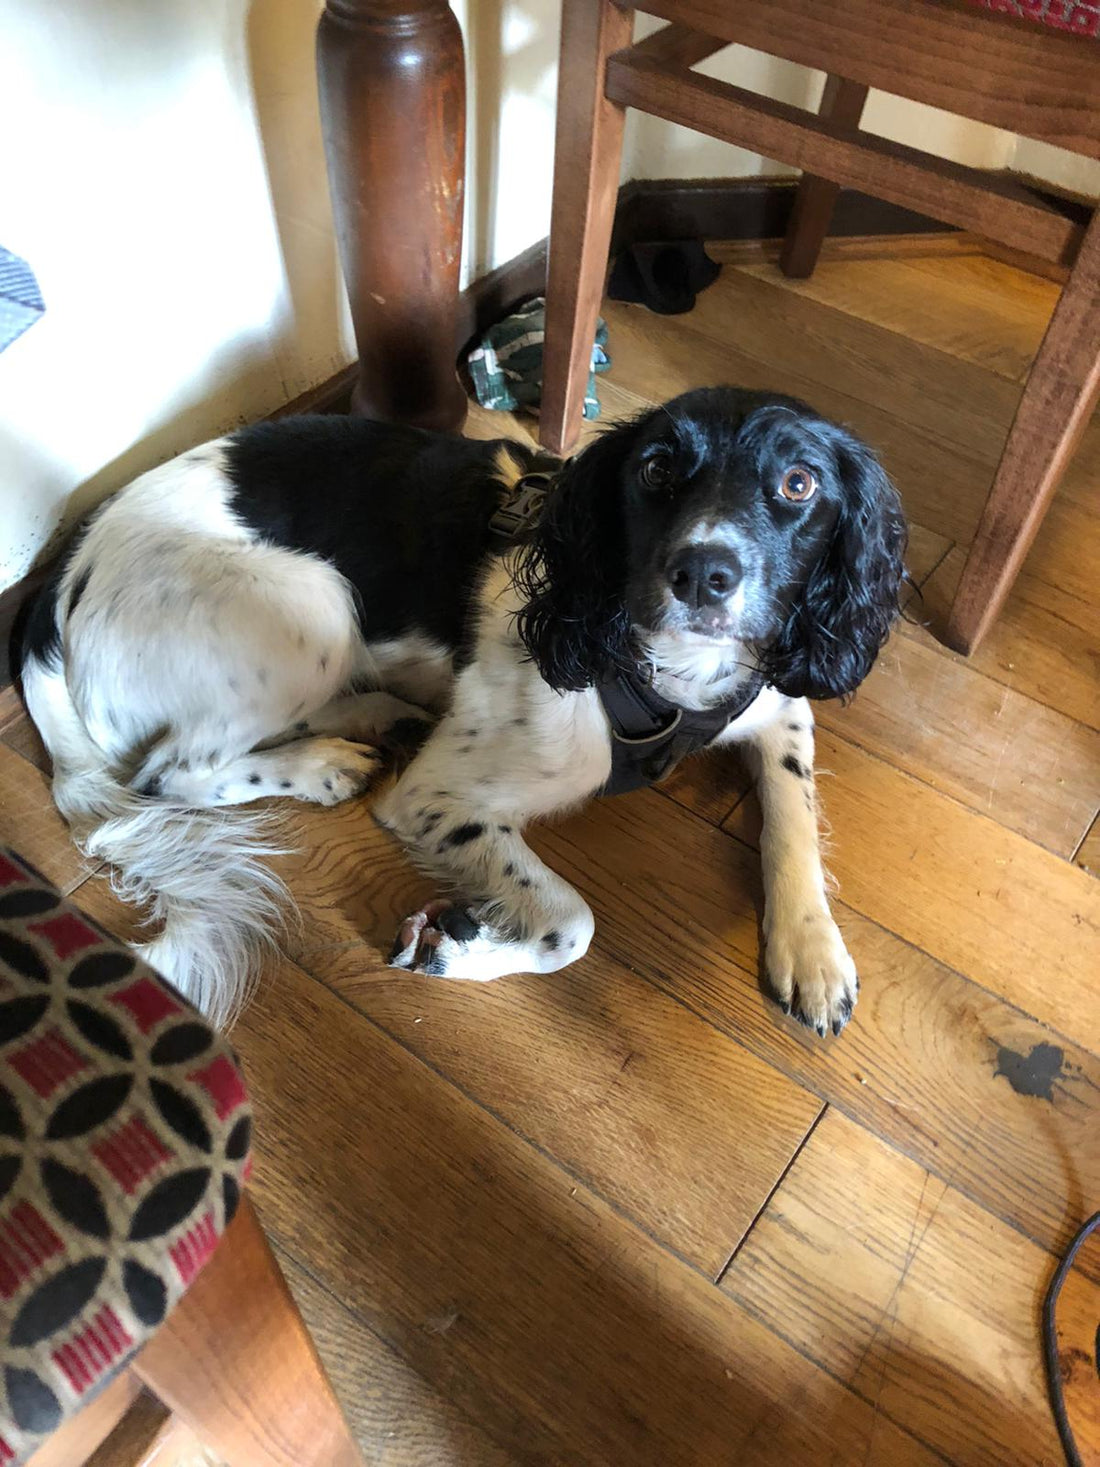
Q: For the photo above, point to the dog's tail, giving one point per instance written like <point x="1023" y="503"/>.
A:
<point x="200" y="873"/>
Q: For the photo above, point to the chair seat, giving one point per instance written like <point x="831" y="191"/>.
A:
<point x="1079" y="17"/>
<point x="124" y="1143"/>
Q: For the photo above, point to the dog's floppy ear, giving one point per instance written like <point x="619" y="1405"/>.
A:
<point x="574" y="623"/>
<point x="842" y="618"/>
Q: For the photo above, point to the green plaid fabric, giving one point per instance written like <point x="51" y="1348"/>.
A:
<point x="506" y="364"/>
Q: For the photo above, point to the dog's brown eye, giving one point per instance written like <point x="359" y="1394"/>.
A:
<point x="657" y="471"/>
<point x="798" y="484"/>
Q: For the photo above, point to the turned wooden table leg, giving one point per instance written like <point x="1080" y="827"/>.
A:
<point x="392" y="84"/>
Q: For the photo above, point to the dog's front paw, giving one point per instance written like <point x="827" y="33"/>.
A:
<point x="328" y="771"/>
<point x="436" y="939"/>
<point x="810" y="970"/>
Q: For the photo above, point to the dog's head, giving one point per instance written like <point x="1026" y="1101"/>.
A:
<point x="724" y="518"/>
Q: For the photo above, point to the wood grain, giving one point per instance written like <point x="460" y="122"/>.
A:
<point x="1046" y="642"/>
<point x="235" y="1363"/>
<point x="587" y="151"/>
<point x="1087" y="855"/>
<point x="398" y="1419"/>
<point x="392" y="95"/>
<point x="841" y="101"/>
<point x="991" y="204"/>
<point x="919" y="1063"/>
<point x="994" y="69"/>
<point x="693" y="1131"/>
<point x="931" y="1317"/>
<point x="967" y="305"/>
<point x="930" y="387"/>
<point x="30" y="824"/>
<point x="1054" y="411"/>
<point x="978" y="897"/>
<point x="1031" y="769"/>
<point x="540" y="1312"/>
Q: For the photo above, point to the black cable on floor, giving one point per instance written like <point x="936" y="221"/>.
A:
<point x="1050" y="1342"/>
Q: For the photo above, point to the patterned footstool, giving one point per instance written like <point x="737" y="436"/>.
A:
<point x="124" y="1144"/>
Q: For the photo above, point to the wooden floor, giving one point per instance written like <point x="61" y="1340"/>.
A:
<point x="630" y="1215"/>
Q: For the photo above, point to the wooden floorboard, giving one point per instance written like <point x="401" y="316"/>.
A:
<point x="631" y="1214"/>
<point x="929" y="1316"/>
<point x="517" y="1291"/>
<point x="965" y="890"/>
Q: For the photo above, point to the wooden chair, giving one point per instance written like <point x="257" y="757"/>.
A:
<point x="132" y="1266"/>
<point x="236" y="1369"/>
<point x="1011" y="73"/>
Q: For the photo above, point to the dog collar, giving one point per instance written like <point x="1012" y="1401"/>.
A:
<point x="650" y="735"/>
<point x="522" y="503"/>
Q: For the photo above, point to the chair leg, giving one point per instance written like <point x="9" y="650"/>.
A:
<point x="588" y="149"/>
<point x="842" y="101"/>
<point x="1061" y="392"/>
<point x="235" y="1362"/>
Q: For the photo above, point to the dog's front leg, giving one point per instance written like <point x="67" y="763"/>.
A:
<point x="509" y="913"/>
<point x="808" y="965"/>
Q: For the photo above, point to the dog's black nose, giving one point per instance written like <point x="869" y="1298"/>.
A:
<point x="703" y="575"/>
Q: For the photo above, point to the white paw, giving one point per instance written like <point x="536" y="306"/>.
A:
<point x="327" y="771"/>
<point x="810" y="970"/>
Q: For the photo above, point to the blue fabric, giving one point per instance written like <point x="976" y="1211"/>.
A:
<point x="21" y="301"/>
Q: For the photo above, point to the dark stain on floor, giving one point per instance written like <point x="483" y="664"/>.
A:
<point x="1033" y="1073"/>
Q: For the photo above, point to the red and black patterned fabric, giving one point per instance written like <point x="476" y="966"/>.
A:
<point x="124" y="1143"/>
<point x="1079" y="17"/>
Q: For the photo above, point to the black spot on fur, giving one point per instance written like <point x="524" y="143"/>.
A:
<point x="301" y="727"/>
<point x="152" y="787"/>
<point x="510" y="869"/>
<point x="254" y="778"/>
<point x="519" y="723"/>
<point x="328" y="784"/>
<point x="322" y="662"/>
<point x="286" y="784"/>
<point x="525" y="881"/>
<point x="552" y="941"/>
<point x="505" y="829"/>
<point x="790" y="762"/>
<point x="461" y="835"/>
<point x="795" y="727"/>
<point x="80" y="585"/>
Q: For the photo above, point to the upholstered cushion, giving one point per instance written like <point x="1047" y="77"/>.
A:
<point x="124" y="1142"/>
<point x="1080" y="17"/>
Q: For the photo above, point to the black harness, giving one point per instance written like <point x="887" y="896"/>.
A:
<point x="649" y="734"/>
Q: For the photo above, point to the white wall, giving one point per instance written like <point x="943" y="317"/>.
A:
<point x="169" y="191"/>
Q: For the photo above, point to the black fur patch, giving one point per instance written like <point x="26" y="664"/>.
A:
<point x="254" y="779"/>
<point x="789" y="761"/>
<point x="552" y="941"/>
<point x="461" y="835"/>
<point x="80" y="585"/>
<point x="401" y="513"/>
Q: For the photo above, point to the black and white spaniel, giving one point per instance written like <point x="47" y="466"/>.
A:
<point x="258" y="616"/>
